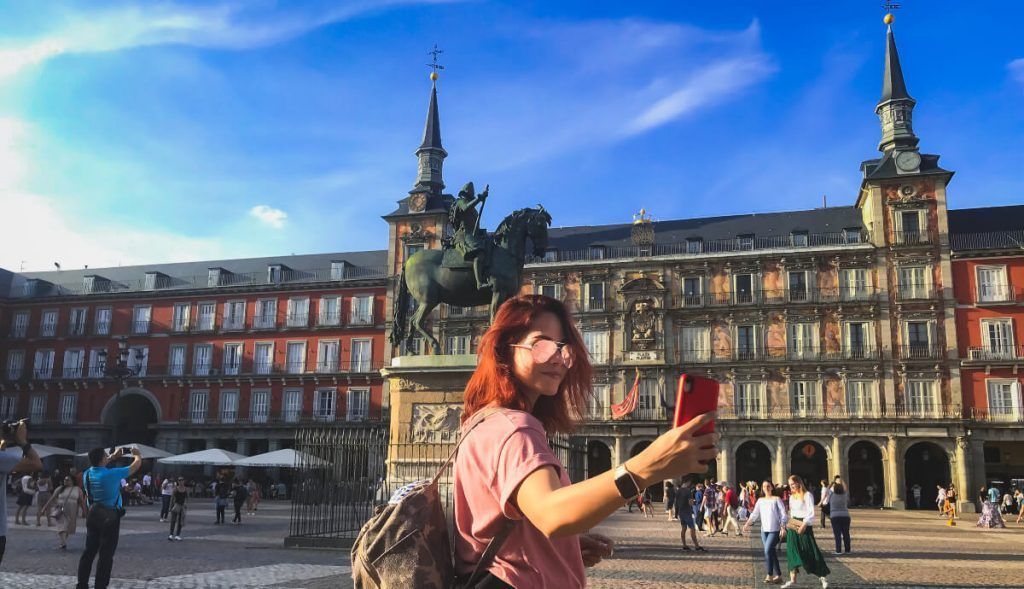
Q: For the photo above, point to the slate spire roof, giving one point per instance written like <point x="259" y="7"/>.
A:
<point x="432" y="129"/>
<point x="893" y="85"/>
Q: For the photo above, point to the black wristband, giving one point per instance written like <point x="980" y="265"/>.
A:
<point x="25" y="448"/>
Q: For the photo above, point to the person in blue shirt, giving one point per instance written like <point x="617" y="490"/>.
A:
<point x="103" y="526"/>
<point x="27" y="461"/>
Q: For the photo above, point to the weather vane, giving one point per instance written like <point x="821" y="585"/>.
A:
<point x="889" y="6"/>
<point x="435" y="66"/>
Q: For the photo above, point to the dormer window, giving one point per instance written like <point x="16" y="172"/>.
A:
<point x="799" y="238"/>
<point x="694" y="245"/>
<point x="155" y="280"/>
<point x="745" y="242"/>
<point x="597" y="252"/>
<point x="338" y="270"/>
<point x="214" y="277"/>
<point x="274" y="273"/>
<point x="551" y="255"/>
<point x="93" y="283"/>
<point x="851" y="235"/>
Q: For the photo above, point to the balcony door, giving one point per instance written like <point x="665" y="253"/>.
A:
<point x="997" y="338"/>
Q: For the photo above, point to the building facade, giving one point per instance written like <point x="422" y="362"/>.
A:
<point x="232" y="354"/>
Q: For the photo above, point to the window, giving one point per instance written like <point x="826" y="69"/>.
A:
<point x="140" y="319"/>
<point x="76" y="322"/>
<point x="202" y="360"/>
<point x="138" y="357"/>
<point x="600" y="403"/>
<point x="913" y="282"/>
<point x="801" y="341"/>
<point x="743" y="287"/>
<point x="694" y="245"/>
<point x="851" y="235"/>
<point x="910" y="227"/>
<point x="37" y="409"/>
<point x="292" y="405"/>
<point x="920" y="397"/>
<point x="805" y="397"/>
<point x="296" y="358"/>
<point x="799" y="238"/>
<point x="228" y="406"/>
<point x="197" y="405"/>
<point x="274" y="274"/>
<point x="857" y="339"/>
<point x="746" y="342"/>
<point x="96" y="363"/>
<point x="748" y="399"/>
<point x="992" y="284"/>
<point x="73" y="360"/>
<point x="917" y="339"/>
<point x="597" y="252"/>
<point x="323" y="404"/>
<point x="266" y="314"/>
<point x="179" y="317"/>
<point x="361" y="354"/>
<point x="997" y="339"/>
<point x="412" y="248"/>
<point x="550" y="255"/>
<point x="48" y="326"/>
<point x="8" y="407"/>
<point x="694" y="344"/>
<point x="853" y="284"/>
<point x="596" y="343"/>
<point x="860" y="399"/>
<point x="103" y="316"/>
<point x="692" y="289"/>
<point x="358" y="405"/>
<point x="1004" y="398"/>
<point x="44" y="364"/>
<point x="362" y="310"/>
<point x="798" y="286"/>
<point x="15" y="364"/>
<point x="456" y="344"/>
<point x="234" y="315"/>
<point x="327" y="356"/>
<point x="455" y="310"/>
<point x="330" y="311"/>
<point x="68" y="408"/>
<point x="298" y="312"/>
<point x="176" y="360"/>
<point x="259" y="406"/>
<point x="595" y="296"/>
<point x="650" y="391"/>
<point x="232" y="358"/>
<point x="19" y="325"/>
<point x="337" y="270"/>
<point x="213" y="277"/>
<point x="550" y="290"/>
<point x="207" y="314"/>
<point x="154" y="280"/>
<point x="263" y="358"/>
<point x="745" y="242"/>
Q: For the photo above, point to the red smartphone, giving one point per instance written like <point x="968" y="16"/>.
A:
<point x="695" y="396"/>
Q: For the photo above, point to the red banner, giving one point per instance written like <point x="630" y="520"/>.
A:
<point x="630" y="401"/>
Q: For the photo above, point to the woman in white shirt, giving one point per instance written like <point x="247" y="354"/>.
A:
<point x="801" y="549"/>
<point x="770" y="510"/>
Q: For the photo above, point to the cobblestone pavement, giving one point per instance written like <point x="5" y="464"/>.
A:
<point x="890" y="549"/>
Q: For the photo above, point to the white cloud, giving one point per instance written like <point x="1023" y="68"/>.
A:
<point x="269" y="216"/>
<point x="1016" y="68"/>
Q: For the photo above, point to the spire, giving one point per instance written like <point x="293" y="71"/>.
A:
<point x="895" y="108"/>
<point x="432" y="130"/>
<point x="430" y="152"/>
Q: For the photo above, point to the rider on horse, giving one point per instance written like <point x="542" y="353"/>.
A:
<point x="470" y="240"/>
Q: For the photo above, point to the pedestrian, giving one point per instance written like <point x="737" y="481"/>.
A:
<point x="26" y="492"/>
<point x="147" y="486"/>
<point x="13" y="462"/>
<point x="179" y="495"/>
<point x="1019" y="497"/>
<point x="670" y="500"/>
<point x="684" y="509"/>
<point x="990" y="517"/>
<point x="65" y="504"/>
<point x="708" y="509"/>
<point x="730" y="504"/>
<point x="839" y="504"/>
<point x="826" y="494"/>
<point x="951" y="509"/>
<point x="252" y="500"/>
<point x="940" y="499"/>
<point x="238" y="494"/>
<point x="802" y="551"/>
<point x="221" y="493"/>
<point x="698" y="509"/>
<point x="106" y="506"/>
<point x="532" y="377"/>
<point x="770" y="511"/>
<point x="915" y="492"/>
<point x="743" y="512"/>
<point x="166" y="491"/>
<point x="43" y="494"/>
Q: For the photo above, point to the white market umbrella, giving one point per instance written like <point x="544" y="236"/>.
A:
<point x="284" y="458"/>
<point x="208" y="457"/>
<point x="45" y="451"/>
<point x="147" y="451"/>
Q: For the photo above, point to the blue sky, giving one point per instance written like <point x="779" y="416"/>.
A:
<point x="149" y="131"/>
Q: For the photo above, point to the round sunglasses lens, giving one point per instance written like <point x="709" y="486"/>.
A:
<point x="543" y="350"/>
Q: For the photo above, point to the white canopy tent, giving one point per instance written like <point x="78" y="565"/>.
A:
<point x="284" y="458"/>
<point x="45" y="451"/>
<point x="147" y="451"/>
<point x="208" y="457"/>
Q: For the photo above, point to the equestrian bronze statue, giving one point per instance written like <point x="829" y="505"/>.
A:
<point x="475" y="268"/>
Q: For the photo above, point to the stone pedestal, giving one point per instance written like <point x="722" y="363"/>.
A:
<point x="426" y="407"/>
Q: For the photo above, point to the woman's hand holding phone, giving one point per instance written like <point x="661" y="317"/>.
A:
<point x="677" y="452"/>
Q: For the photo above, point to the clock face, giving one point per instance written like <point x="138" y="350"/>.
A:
<point x="908" y="160"/>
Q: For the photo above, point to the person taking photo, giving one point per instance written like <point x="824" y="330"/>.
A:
<point x="11" y="462"/>
<point x="103" y="524"/>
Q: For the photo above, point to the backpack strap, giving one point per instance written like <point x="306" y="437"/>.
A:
<point x="478" y="420"/>
<point x="490" y="552"/>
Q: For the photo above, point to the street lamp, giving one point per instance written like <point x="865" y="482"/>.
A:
<point x="121" y="371"/>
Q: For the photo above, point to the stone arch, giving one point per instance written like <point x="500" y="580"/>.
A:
<point x="754" y="461"/>
<point x="927" y="463"/>
<point x="865" y="468"/>
<point x="809" y="459"/>
<point x="105" y="413"/>
<point x="599" y="456"/>
<point x="131" y="414"/>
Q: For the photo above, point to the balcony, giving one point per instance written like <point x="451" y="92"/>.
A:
<point x="910" y="238"/>
<point x="140" y="327"/>
<point x="18" y="331"/>
<point x="888" y="412"/>
<point x="288" y="418"/>
<point x="329" y="320"/>
<point x="915" y="292"/>
<point x="990" y="355"/>
<point x="72" y="372"/>
<point x="232" y="324"/>
<point x="102" y="328"/>
<point x="779" y="296"/>
<point x="921" y="352"/>
<point x="778" y="354"/>
<point x="994" y="294"/>
<point x="297" y="320"/>
<point x="1007" y="415"/>
<point x="361" y="320"/>
<point x="76" y="329"/>
<point x="182" y="370"/>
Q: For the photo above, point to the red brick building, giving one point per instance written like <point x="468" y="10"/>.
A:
<point x="232" y="353"/>
<point x="988" y="275"/>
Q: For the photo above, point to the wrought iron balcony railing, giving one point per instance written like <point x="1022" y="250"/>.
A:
<point x="911" y="238"/>
<point x="992" y="294"/>
<point x="182" y="370"/>
<point x="777" y="354"/>
<point x="280" y="418"/>
<point x="921" y="352"/>
<point x="760" y="412"/>
<point x="983" y="354"/>
<point x="915" y="292"/>
<point x="779" y="296"/>
<point x="1000" y="415"/>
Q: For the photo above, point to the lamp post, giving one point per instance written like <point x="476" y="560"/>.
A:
<point x="121" y="371"/>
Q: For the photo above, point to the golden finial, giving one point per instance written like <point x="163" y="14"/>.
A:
<point x="433" y="76"/>
<point x="888" y="18"/>
<point x="641" y="217"/>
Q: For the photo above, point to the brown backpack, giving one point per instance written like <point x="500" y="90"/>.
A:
<point x="406" y="543"/>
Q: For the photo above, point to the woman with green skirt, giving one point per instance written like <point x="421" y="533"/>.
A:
<point x="801" y="550"/>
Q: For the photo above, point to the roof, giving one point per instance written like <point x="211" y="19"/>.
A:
<point x="432" y="129"/>
<point x="988" y="228"/>
<point x="893" y="86"/>
<point x="884" y="168"/>
<point x="815" y="221"/>
<point x="436" y="203"/>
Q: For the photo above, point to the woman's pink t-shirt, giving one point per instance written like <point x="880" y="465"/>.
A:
<point x="498" y="454"/>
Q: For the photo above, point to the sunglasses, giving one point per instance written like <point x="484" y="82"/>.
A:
<point x="544" y="350"/>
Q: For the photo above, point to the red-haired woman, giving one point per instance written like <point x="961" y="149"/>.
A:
<point x="532" y="379"/>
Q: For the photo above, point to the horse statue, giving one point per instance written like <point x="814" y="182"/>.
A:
<point x="433" y="276"/>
